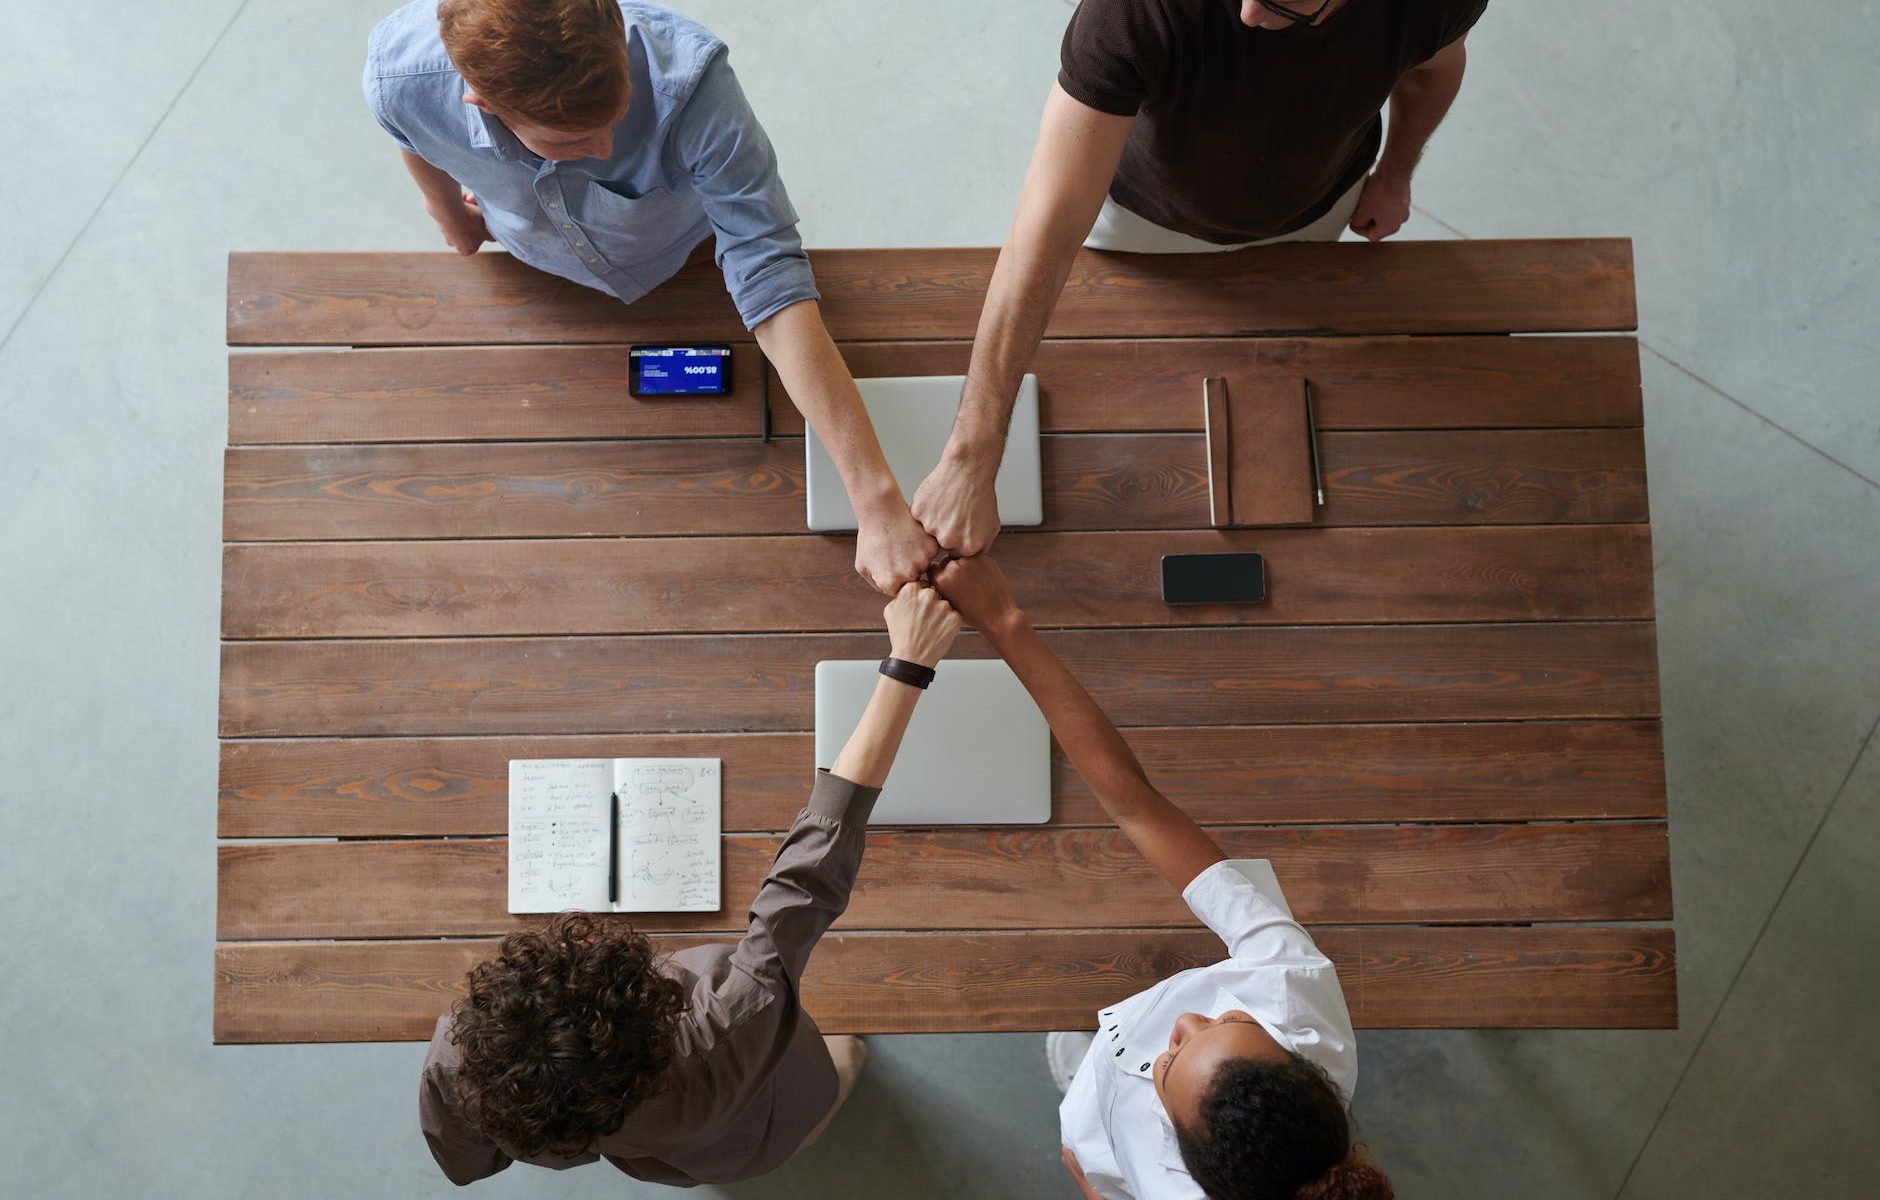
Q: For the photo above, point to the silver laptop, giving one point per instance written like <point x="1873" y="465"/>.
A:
<point x="977" y="752"/>
<point x="912" y="418"/>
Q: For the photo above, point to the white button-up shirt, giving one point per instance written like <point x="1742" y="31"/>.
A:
<point x="1111" y="1118"/>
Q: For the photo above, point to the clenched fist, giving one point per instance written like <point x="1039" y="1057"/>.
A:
<point x="921" y="625"/>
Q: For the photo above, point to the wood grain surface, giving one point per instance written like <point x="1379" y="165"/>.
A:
<point x="562" y="393"/>
<point x="1539" y="286"/>
<point x="452" y="538"/>
<point x="735" y="486"/>
<point x="474" y="394"/>
<point x="1010" y="981"/>
<point x="805" y="583"/>
<point x="1307" y="774"/>
<point x="765" y="683"/>
<point x="1003" y="878"/>
<point x="1154" y="384"/>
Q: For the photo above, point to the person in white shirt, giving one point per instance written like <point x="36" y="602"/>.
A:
<point x="1231" y="1081"/>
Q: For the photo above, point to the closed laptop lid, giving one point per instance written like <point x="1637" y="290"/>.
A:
<point x="913" y="417"/>
<point x="977" y="751"/>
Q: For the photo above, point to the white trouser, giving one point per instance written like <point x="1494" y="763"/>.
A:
<point x="1119" y="229"/>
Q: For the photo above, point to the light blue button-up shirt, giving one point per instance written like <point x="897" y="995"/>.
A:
<point x="690" y="161"/>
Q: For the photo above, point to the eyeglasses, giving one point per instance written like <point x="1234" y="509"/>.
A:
<point x="1293" y="14"/>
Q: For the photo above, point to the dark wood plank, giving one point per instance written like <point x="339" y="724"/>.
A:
<point x="356" y="299"/>
<point x="1160" y="481"/>
<point x="481" y="393"/>
<point x="396" y="787"/>
<point x="1150" y="385"/>
<point x="804" y="583"/>
<point x="565" y="393"/>
<point x="1434" y="978"/>
<point x="993" y="879"/>
<point x="734" y="486"/>
<point x="1337" y="774"/>
<point x="730" y="682"/>
<point x="553" y="489"/>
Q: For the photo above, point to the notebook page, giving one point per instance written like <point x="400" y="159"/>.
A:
<point x="558" y="834"/>
<point x="669" y="827"/>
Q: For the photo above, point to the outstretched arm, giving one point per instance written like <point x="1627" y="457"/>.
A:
<point x="809" y="883"/>
<point x="1071" y="168"/>
<point x="718" y="141"/>
<point x="1171" y="841"/>
<point x="890" y="546"/>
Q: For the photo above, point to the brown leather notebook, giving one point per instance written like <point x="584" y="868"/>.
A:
<point x="1259" y="447"/>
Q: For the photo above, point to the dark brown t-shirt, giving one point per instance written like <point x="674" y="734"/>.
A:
<point x="1243" y="134"/>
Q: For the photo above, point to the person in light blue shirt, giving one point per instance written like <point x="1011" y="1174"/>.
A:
<point x="605" y="141"/>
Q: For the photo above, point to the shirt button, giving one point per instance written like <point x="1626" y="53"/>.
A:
<point x="567" y="225"/>
<point x="553" y="204"/>
<point x="592" y="261"/>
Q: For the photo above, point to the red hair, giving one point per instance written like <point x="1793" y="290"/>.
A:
<point x="558" y="63"/>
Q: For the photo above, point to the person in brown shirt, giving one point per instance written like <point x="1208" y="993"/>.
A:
<point x="579" y="1042"/>
<point x="1180" y="126"/>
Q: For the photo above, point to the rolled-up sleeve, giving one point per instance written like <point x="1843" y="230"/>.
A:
<point x="720" y="144"/>
<point x="1240" y="900"/>
<point x="809" y="883"/>
<point x="373" y="83"/>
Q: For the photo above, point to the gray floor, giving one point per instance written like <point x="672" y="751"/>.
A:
<point x="1740" y="146"/>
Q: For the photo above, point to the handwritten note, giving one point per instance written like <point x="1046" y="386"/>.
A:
<point x="669" y="830"/>
<point x="558" y="834"/>
<point x="668" y="834"/>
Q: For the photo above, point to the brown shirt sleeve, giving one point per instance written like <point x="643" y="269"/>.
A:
<point x="808" y="885"/>
<point x="461" y="1151"/>
<point x="1116" y="54"/>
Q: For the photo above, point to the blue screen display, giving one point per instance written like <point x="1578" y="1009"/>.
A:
<point x="680" y="370"/>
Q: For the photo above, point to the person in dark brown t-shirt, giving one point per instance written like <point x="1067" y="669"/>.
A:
<point x="1182" y="126"/>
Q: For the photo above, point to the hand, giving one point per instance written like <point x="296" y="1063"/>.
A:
<point x="978" y="589"/>
<point x="892" y="549"/>
<point x="921" y="625"/>
<point x="957" y="505"/>
<point x="1383" y="205"/>
<point x="461" y="224"/>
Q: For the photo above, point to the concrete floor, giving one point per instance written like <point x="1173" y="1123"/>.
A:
<point x="1740" y="147"/>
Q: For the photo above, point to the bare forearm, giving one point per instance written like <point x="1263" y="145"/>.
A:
<point x="870" y="750"/>
<point x="1032" y="267"/>
<point x="1070" y="172"/>
<point x="1078" y="722"/>
<point x="811" y="368"/>
<point x="1417" y="106"/>
<point x="1165" y="835"/>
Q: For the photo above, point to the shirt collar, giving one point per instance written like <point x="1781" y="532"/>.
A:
<point x="488" y="133"/>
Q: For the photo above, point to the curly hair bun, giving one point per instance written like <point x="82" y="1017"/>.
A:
<point x="1355" y="1178"/>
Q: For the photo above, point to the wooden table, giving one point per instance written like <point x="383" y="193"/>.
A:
<point x="455" y="540"/>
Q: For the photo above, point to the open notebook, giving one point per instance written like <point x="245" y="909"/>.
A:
<point x="668" y="834"/>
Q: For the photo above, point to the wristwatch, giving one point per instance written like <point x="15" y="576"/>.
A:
<point x="911" y="673"/>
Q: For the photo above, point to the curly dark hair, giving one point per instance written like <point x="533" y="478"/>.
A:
<point x="563" y="1034"/>
<point x="1277" y="1131"/>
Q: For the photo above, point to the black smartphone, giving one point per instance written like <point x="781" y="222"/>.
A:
<point x="1213" y="579"/>
<point x="679" y="370"/>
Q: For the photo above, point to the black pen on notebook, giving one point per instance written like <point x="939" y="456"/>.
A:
<point x="613" y="849"/>
<point x="1312" y="439"/>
